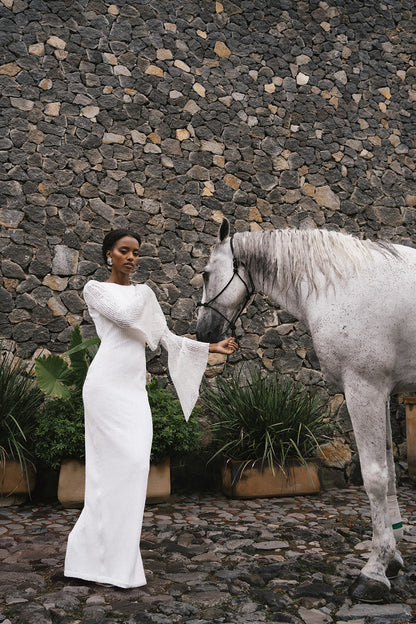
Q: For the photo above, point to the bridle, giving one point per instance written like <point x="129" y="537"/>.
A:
<point x="249" y="292"/>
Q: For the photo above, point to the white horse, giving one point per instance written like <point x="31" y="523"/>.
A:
<point x="358" y="300"/>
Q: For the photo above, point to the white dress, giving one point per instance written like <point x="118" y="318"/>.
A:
<point x="104" y="545"/>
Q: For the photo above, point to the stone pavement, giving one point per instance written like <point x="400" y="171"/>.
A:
<point x="212" y="560"/>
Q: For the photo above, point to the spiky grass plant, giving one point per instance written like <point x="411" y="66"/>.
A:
<point x="20" y="400"/>
<point x="264" y="420"/>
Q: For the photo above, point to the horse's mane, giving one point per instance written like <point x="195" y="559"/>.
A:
<point x="289" y="257"/>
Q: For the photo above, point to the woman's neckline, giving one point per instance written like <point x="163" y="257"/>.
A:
<point x="116" y="284"/>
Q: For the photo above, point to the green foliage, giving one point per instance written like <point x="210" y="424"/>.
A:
<point x="172" y="435"/>
<point x="61" y="427"/>
<point x="20" y="400"/>
<point x="60" y="433"/>
<point x="57" y="378"/>
<point x="265" y="419"/>
<point x="54" y="376"/>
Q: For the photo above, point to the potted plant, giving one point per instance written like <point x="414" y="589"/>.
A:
<point x="173" y="437"/>
<point x="19" y="405"/>
<point x="60" y="446"/>
<point x="60" y="433"/>
<point x="267" y="428"/>
<point x="60" y="441"/>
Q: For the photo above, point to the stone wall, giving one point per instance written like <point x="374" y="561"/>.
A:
<point x="163" y="116"/>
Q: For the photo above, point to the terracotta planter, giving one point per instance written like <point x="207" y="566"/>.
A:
<point x="298" y="478"/>
<point x="14" y="486"/>
<point x="158" y="484"/>
<point x="71" y="485"/>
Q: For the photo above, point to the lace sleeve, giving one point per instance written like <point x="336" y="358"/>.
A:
<point x="187" y="361"/>
<point x="102" y="299"/>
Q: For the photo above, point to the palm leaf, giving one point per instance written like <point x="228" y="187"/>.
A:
<point x="88" y="344"/>
<point x="76" y="354"/>
<point x="53" y="376"/>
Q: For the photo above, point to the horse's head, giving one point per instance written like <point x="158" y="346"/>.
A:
<point x="227" y="289"/>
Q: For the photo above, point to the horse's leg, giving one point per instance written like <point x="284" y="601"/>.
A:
<point x="396" y="564"/>
<point x="366" y="406"/>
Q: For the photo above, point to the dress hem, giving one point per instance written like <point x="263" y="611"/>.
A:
<point x="103" y="579"/>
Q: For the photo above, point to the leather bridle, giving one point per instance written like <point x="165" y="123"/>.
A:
<point x="249" y="292"/>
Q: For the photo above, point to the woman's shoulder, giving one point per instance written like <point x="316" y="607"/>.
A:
<point x="95" y="288"/>
<point x="145" y="293"/>
<point x="144" y="288"/>
<point x="92" y="284"/>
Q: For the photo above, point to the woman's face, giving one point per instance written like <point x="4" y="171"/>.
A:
<point x="125" y="255"/>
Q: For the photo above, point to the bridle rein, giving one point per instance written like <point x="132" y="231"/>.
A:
<point x="249" y="292"/>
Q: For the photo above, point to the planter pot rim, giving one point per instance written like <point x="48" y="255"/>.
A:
<point x="255" y="463"/>
<point x="242" y="480"/>
<point x="71" y="486"/>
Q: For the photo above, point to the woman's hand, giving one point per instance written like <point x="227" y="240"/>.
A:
<point x="227" y="346"/>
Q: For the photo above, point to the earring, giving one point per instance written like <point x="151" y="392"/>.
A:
<point x="110" y="262"/>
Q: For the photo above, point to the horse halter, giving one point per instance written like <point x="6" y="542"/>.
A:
<point x="249" y="291"/>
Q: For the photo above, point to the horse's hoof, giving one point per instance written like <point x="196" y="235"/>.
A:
<point x="393" y="568"/>
<point x="369" y="590"/>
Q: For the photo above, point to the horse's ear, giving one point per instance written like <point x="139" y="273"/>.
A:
<point x="224" y="230"/>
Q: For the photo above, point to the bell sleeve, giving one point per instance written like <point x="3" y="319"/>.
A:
<point x="187" y="359"/>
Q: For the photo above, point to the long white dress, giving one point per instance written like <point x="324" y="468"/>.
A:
<point x="104" y="545"/>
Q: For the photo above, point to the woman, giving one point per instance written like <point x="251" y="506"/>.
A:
<point x="104" y="544"/>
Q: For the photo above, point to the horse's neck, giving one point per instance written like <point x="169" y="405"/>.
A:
<point x="296" y="268"/>
<point x="258" y="251"/>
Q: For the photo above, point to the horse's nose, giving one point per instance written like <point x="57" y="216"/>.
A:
<point x="208" y="335"/>
<point x="203" y="332"/>
<point x="209" y="327"/>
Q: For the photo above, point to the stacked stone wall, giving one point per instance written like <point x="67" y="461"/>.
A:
<point x="164" y="116"/>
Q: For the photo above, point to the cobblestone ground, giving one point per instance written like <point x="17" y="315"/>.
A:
<point x="212" y="560"/>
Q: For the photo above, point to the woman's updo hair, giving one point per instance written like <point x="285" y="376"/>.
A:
<point x="112" y="237"/>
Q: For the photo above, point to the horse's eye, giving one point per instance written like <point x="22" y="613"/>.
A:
<point x="205" y="276"/>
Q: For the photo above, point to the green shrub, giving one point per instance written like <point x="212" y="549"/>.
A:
<point x="60" y="433"/>
<point x="264" y="419"/>
<point x="20" y="400"/>
<point x="172" y="435"/>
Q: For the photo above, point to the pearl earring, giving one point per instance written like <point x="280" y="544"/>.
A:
<point x="109" y="262"/>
